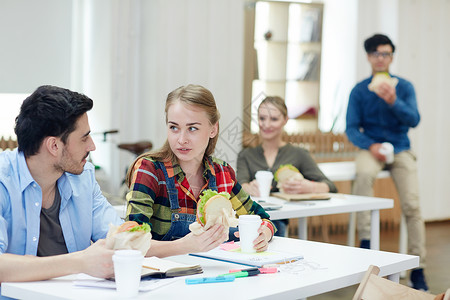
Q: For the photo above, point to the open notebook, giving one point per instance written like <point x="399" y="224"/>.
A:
<point x="163" y="268"/>
<point x="226" y="252"/>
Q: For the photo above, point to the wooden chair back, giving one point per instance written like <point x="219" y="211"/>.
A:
<point x="7" y="143"/>
<point x="374" y="287"/>
<point x="323" y="146"/>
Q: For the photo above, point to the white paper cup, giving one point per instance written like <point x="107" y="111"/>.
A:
<point x="264" y="179"/>
<point x="127" y="272"/>
<point x="388" y="151"/>
<point x="248" y="231"/>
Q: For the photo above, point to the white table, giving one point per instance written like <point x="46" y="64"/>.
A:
<point x="346" y="171"/>
<point x="325" y="267"/>
<point x="338" y="204"/>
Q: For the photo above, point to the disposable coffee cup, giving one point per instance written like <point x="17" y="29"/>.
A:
<point x="264" y="179"/>
<point x="388" y="151"/>
<point x="248" y="231"/>
<point x="127" y="272"/>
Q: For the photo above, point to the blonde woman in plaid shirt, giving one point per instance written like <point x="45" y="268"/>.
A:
<point x="165" y="185"/>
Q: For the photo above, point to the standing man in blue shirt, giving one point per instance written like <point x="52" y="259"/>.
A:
<point x="376" y="117"/>
<point x="51" y="207"/>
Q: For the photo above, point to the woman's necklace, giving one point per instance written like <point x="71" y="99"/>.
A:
<point x="196" y="182"/>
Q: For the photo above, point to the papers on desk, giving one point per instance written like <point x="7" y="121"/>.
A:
<point x="303" y="197"/>
<point x="259" y="259"/>
<point x="84" y="280"/>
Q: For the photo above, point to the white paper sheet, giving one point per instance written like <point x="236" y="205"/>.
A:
<point x="84" y="280"/>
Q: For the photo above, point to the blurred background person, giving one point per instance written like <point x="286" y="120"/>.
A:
<point x="274" y="152"/>
<point x="383" y="113"/>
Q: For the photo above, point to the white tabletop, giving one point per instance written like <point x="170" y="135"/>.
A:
<point x="339" y="203"/>
<point x="325" y="268"/>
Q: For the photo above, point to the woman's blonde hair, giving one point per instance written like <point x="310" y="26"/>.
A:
<point x="195" y="95"/>
<point x="276" y="101"/>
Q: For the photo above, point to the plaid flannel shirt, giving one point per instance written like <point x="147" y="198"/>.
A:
<point x="148" y="200"/>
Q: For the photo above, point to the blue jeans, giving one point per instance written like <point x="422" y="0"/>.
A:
<point x="231" y="236"/>
<point x="281" y="227"/>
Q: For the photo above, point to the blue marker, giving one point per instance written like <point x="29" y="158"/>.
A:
<point x="226" y="278"/>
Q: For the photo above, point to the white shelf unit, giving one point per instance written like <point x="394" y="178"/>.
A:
<point x="287" y="49"/>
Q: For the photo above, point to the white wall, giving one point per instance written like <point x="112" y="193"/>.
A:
<point x="338" y="67"/>
<point x="424" y="58"/>
<point x="91" y="73"/>
<point x="35" y="44"/>
<point x="379" y="16"/>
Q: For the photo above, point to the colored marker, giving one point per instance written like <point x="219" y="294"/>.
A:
<point x="261" y="270"/>
<point x="240" y="270"/>
<point x="225" y="278"/>
<point x="243" y="273"/>
<point x="268" y="270"/>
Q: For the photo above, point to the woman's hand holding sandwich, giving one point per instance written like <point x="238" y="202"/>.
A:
<point x="190" y="243"/>
<point x="214" y="217"/>
<point x="252" y="188"/>
<point x="291" y="181"/>
<point x="304" y="186"/>
<point x="210" y="239"/>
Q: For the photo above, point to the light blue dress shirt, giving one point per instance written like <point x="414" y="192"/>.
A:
<point x="85" y="214"/>
<point x="371" y="120"/>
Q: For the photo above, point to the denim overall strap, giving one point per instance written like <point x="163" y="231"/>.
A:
<point x="212" y="184"/>
<point x="172" y="191"/>
<point x="179" y="221"/>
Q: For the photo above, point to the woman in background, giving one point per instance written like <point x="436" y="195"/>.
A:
<point x="274" y="152"/>
<point x="165" y="185"/>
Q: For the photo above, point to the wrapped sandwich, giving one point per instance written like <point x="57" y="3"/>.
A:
<point x="286" y="173"/>
<point x="213" y="208"/>
<point x="129" y="235"/>
<point x="379" y="78"/>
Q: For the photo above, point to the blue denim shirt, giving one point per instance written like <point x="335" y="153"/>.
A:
<point x="371" y="120"/>
<point x="84" y="214"/>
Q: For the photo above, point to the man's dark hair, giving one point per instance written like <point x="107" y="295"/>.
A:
<point x="372" y="43"/>
<point x="49" y="111"/>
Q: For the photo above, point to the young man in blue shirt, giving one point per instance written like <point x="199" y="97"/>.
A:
<point x="385" y="115"/>
<point x="51" y="207"/>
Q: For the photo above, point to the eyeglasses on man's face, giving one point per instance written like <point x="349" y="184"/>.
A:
<point x="377" y="54"/>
